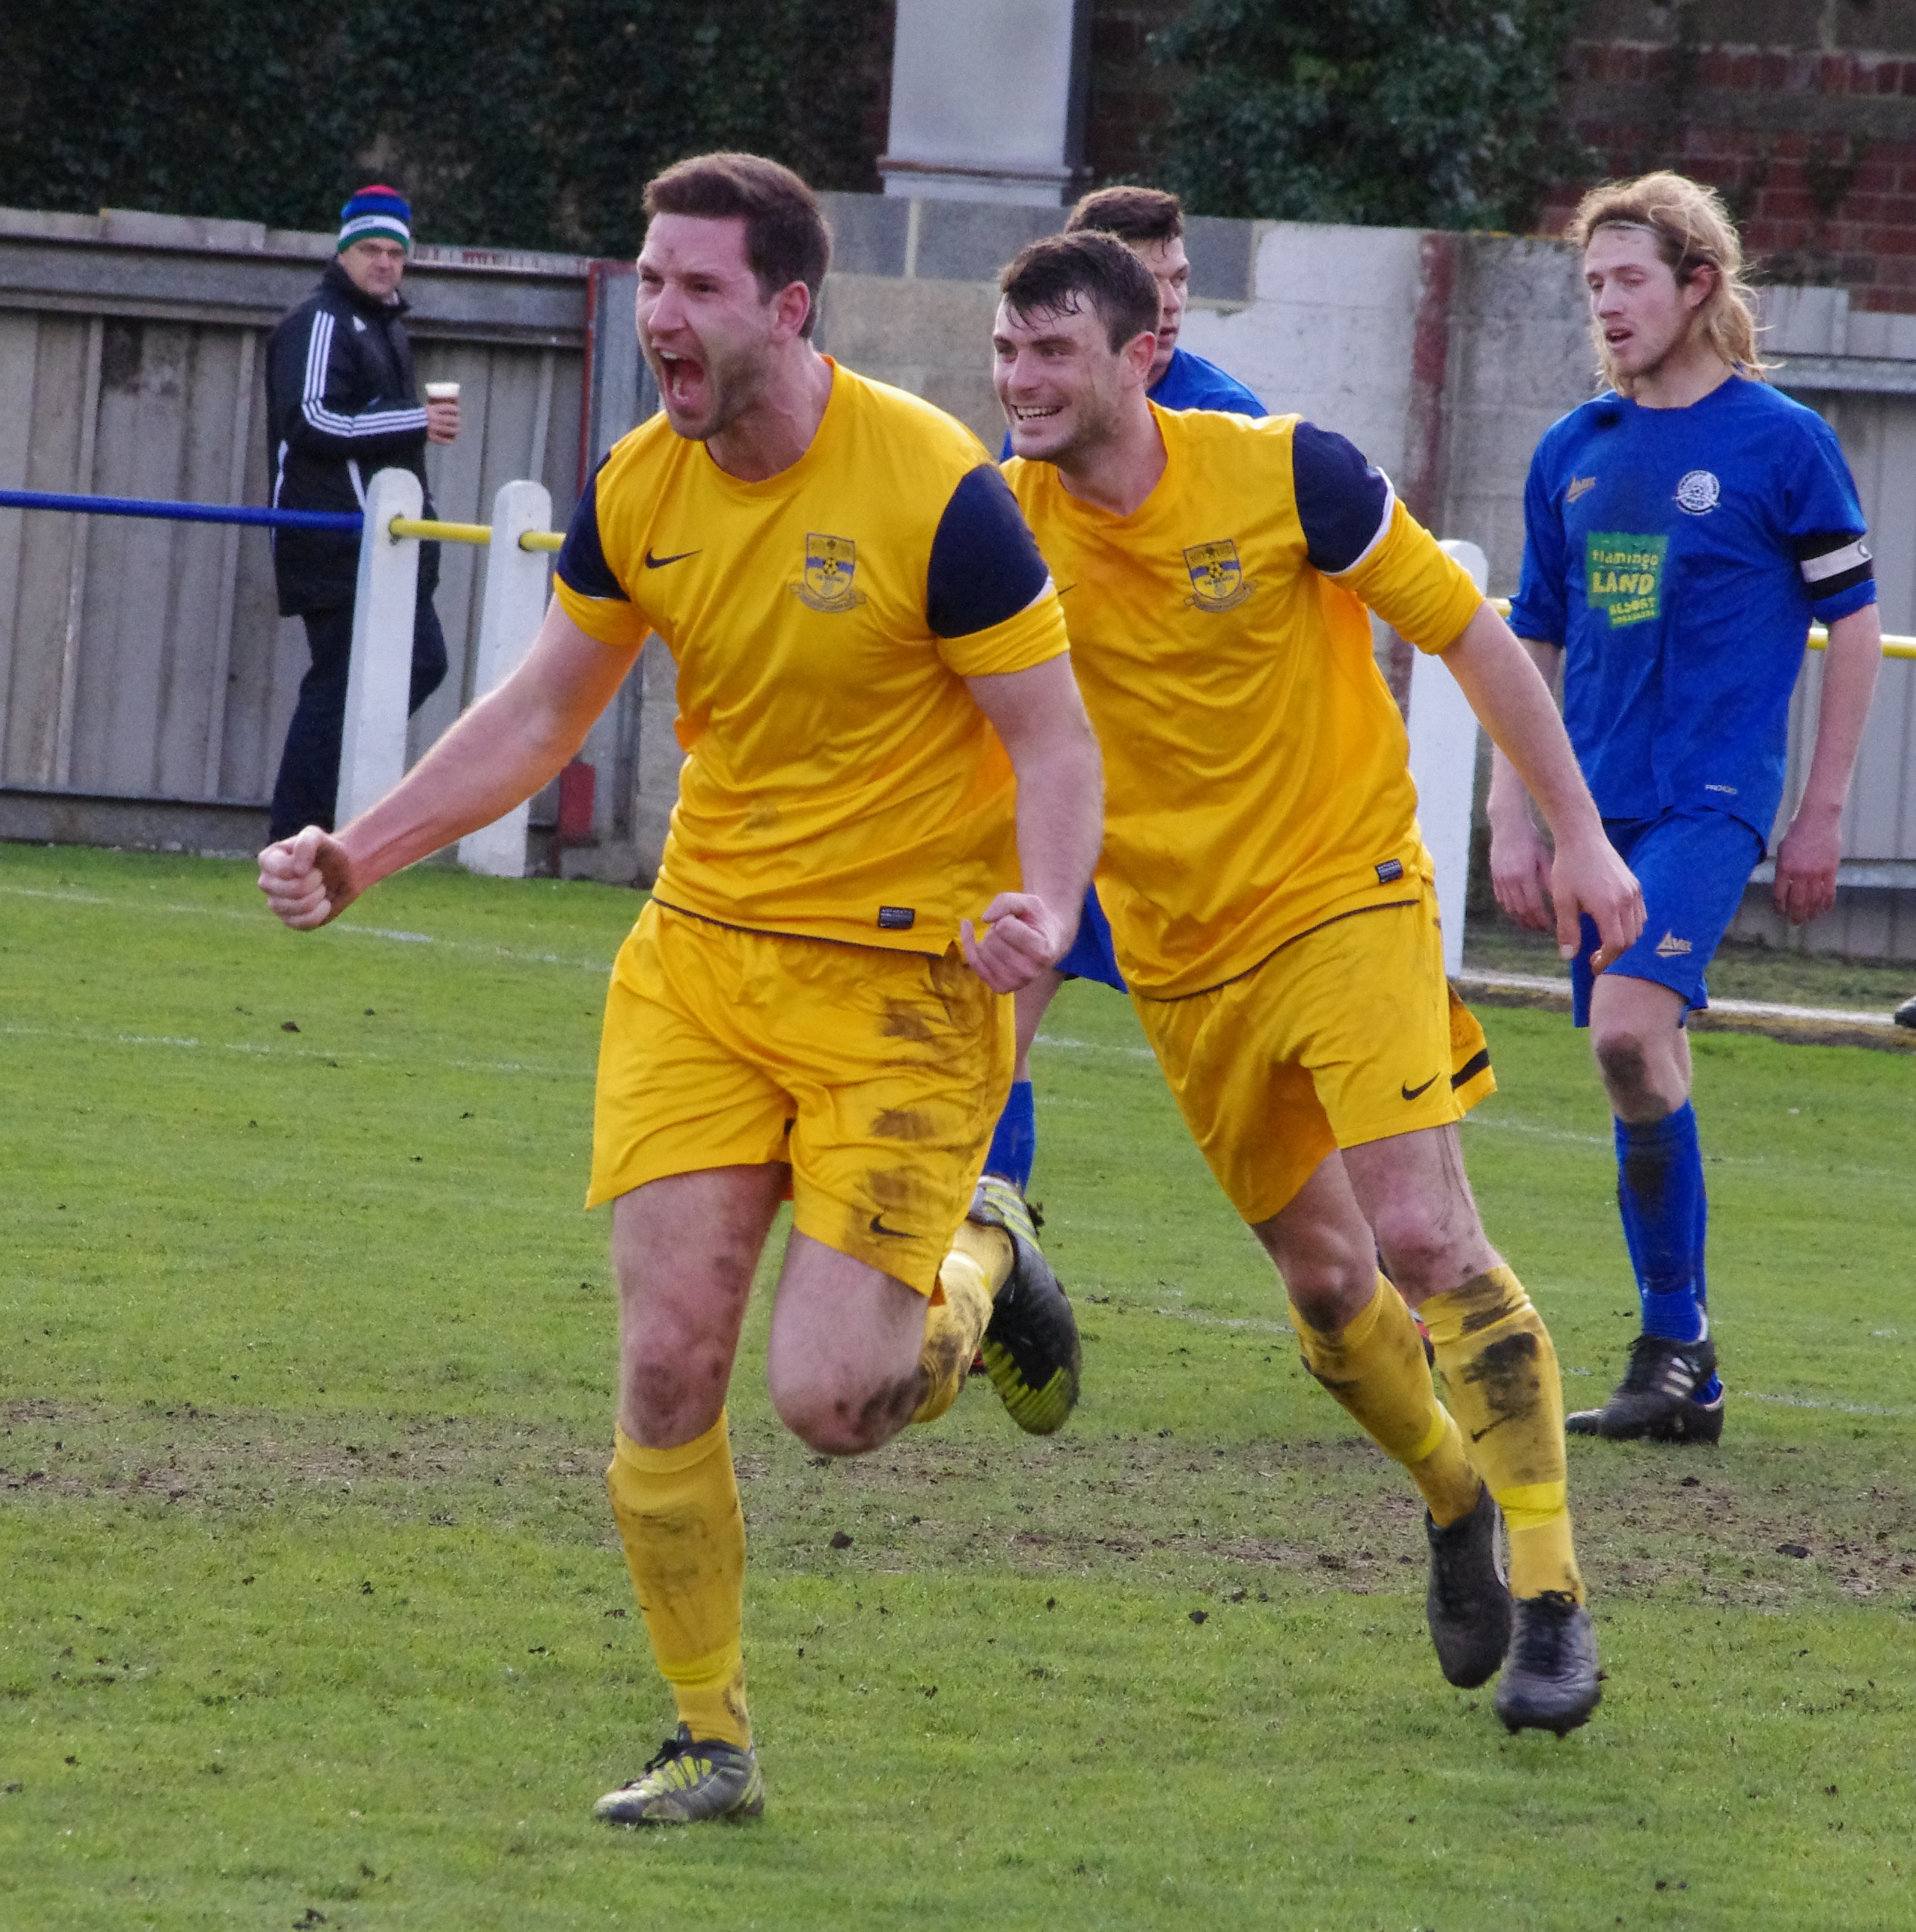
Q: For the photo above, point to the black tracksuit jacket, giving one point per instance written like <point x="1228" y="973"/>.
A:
<point x="341" y="403"/>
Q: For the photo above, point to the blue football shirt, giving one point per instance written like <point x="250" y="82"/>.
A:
<point x="1189" y="382"/>
<point x="1677" y="556"/>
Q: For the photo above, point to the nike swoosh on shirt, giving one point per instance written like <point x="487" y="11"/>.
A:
<point x="1411" y="1092"/>
<point x="652" y="563"/>
<point x="897" y="1233"/>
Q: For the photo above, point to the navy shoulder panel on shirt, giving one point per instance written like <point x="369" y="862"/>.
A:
<point x="985" y="565"/>
<point x="1343" y="502"/>
<point x="581" y="557"/>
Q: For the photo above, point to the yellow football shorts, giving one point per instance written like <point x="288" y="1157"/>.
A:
<point x="877" y="1077"/>
<point x="1350" y="1033"/>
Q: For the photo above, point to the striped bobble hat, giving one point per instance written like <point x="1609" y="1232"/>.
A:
<point x="377" y="210"/>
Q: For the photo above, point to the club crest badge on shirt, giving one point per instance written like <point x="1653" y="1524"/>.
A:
<point x="1698" y="493"/>
<point x="830" y="563"/>
<point x="1217" y="579"/>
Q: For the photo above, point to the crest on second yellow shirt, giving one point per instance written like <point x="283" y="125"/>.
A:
<point x="830" y="564"/>
<point x="1217" y="579"/>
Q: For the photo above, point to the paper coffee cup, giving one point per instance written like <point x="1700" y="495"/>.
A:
<point x="442" y="392"/>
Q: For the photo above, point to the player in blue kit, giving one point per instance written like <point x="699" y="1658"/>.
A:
<point x="1682" y="532"/>
<point x="1150" y="223"/>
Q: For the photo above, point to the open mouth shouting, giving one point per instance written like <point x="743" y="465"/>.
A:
<point x="681" y="378"/>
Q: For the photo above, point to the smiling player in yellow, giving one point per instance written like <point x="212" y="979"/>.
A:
<point x="1271" y="905"/>
<point x="883" y="744"/>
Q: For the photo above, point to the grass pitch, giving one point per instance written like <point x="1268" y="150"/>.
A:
<point x="311" y="1613"/>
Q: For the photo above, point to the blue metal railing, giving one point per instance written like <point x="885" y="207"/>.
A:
<point x="138" y="506"/>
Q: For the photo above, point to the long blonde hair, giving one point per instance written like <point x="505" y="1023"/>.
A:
<point x="1692" y="229"/>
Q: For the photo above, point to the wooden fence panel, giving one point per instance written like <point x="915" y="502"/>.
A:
<point x="145" y="659"/>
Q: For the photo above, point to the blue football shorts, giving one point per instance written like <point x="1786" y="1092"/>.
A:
<point x="1090" y="956"/>
<point x="1693" y="867"/>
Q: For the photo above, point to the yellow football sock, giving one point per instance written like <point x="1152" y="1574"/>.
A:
<point x="974" y="1271"/>
<point x="679" y="1518"/>
<point x="1500" y="1372"/>
<point x="1375" y="1368"/>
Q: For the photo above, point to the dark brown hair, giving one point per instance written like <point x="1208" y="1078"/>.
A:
<point x="1054" y="276"/>
<point x="1132" y="214"/>
<point x="787" y="239"/>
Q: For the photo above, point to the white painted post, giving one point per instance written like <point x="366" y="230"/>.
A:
<point x="1444" y="731"/>
<point x="513" y="608"/>
<point x="372" y="751"/>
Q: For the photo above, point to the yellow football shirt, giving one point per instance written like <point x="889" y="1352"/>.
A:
<point x="1256" y="769"/>
<point x="839" y="783"/>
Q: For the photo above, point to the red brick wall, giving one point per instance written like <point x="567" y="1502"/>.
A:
<point x="1814" y="145"/>
<point x="1129" y="91"/>
<point x="1803" y="111"/>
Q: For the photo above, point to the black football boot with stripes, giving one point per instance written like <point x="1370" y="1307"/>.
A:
<point x="1656" y="1400"/>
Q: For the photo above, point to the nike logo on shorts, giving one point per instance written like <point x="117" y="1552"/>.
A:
<point x="652" y="563"/>
<point x="897" y="1233"/>
<point x="1411" y="1092"/>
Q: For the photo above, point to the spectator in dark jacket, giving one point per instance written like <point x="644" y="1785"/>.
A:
<point x="342" y="403"/>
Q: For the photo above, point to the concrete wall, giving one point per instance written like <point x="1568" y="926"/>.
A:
<point x="1445" y="358"/>
<point x="153" y="667"/>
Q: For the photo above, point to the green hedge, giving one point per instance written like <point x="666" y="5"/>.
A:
<point x="532" y="126"/>
<point x="1411" y="113"/>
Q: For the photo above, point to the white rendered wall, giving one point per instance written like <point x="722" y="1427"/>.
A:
<point x="1329" y="332"/>
<point x="985" y="99"/>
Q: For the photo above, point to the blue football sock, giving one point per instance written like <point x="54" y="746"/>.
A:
<point x="1713" y="1387"/>
<point x="1014" y="1143"/>
<point x="1660" y="1194"/>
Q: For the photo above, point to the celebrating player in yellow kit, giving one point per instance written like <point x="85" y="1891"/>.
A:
<point x="1273" y="908"/>
<point x="881" y="730"/>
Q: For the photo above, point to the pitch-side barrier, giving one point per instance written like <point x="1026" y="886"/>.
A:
<point x="1444" y="741"/>
<point x="1443" y="729"/>
<point x="373" y="748"/>
<point x="372" y="757"/>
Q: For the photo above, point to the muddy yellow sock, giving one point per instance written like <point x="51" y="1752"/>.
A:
<point x="1500" y="1373"/>
<point x="1375" y="1368"/>
<point x="678" y="1517"/>
<point x="971" y="1275"/>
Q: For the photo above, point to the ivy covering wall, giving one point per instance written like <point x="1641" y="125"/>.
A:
<point x="537" y="126"/>
<point x="534" y="125"/>
<point x="1411" y="113"/>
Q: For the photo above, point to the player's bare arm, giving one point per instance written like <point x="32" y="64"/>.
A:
<point x="1806" y="859"/>
<point x="1519" y="854"/>
<point x="1507" y="692"/>
<point x="1040" y="718"/>
<point x="503" y="750"/>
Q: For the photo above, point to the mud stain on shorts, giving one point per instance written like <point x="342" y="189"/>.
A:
<point x="903" y="1022"/>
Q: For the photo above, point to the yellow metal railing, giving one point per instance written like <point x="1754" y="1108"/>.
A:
<point x="1819" y="637"/>
<point x="439" y="533"/>
<point x="434" y="532"/>
<point x="551" y="539"/>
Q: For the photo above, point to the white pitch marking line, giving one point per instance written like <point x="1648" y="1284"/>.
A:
<point x="1091" y="1046"/>
<point x="1813" y="1402"/>
<point x="1540" y="982"/>
<point x="260" y="919"/>
<point x="267" y="1050"/>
